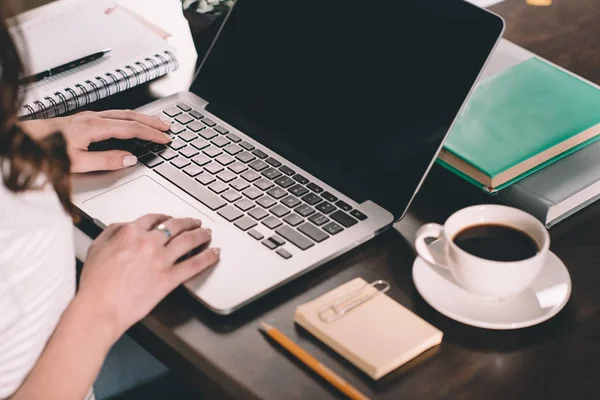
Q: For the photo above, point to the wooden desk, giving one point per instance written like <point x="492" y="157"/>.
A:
<point x="226" y="356"/>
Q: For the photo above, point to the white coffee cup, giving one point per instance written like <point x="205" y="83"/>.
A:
<point x="487" y="278"/>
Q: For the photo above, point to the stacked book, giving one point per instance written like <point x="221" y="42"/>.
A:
<point x="529" y="134"/>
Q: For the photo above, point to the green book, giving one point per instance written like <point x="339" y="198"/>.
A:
<point x="519" y="121"/>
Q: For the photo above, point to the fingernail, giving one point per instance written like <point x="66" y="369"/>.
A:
<point x="128" y="161"/>
<point x="208" y="231"/>
<point x="217" y="251"/>
<point x="167" y="136"/>
<point x="198" y="221"/>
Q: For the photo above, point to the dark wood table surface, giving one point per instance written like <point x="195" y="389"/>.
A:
<point x="228" y="357"/>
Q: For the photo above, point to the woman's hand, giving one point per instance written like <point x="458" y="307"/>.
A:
<point x="131" y="267"/>
<point x="80" y="130"/>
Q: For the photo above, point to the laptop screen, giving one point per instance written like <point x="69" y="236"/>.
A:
<point x="358" y="93"/>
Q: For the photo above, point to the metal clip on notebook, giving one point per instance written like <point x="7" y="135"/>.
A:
<point x="350" y="301"/>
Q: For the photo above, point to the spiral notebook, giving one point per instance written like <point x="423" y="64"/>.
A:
<point x="67" y="30"/>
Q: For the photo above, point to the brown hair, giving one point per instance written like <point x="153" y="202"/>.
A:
<point x="23" y="160"/>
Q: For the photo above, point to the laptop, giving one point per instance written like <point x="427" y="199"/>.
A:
<point x="307" y="131"/>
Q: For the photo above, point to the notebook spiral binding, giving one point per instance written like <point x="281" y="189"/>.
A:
<point x="112" y="82"/>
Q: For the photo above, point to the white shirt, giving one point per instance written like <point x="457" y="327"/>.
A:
<point x="37" y="278"/>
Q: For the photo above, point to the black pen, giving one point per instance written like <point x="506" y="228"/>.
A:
<point x="64" y="67"/>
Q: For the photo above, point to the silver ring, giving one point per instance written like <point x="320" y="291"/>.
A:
<point x="165" y="230"/>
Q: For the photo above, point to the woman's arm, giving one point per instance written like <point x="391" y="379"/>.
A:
<point x="129" y="269"/>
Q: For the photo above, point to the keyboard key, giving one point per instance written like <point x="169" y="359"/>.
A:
<point x="156" y="147"/>
<point x="269" y="243"/>
<point x="255" y="234"/>
<point x="293" y="219"/>
<point x="284" y="253"/>
<point x="245" y="157"/>
<point x="252" y="193"/>
<point x="263" y="184"/>
<point x="184" y="107"/>
<point x="287" y="170"/>
<point x="247" y="146"/>
<point x="201" y="159"/>
<point x="273" y="162"/>
<point x="192" y="170"/>
<point x="358" y="215"/>
<point x="231" y="196"/>
<point x="318" y="219"/>
<point x="195" y="126"/>
<point x="233" y="149"/>
<point x="313" y="232"/>
<point x="208" y="134"/>
<point x="239" y="184"/>
<point x="291" y="235"/>
<point x="271" y="222"/>
<point x="277" y="240"/>
<point x="206" y="178"/>
<point x="234" y="138"/>
<point x="298" y="190"/>
<point x="177" y="144"/>
<point x="238" y="167"/>
<point x="180" y="162"/>
<point x="312" y="199"/>
<point x="176" y="128"/>
<point x="200" y="143"/>
<point x="230" y="213"/>
<point x="250" y="176"/>
<point x="260" y="154"/>
<point x="284" y="182"/>
<point x="277" y="193"/>
<point x="280" y="211"/>
<point x="245" y="223"/>
<point x="343" y="205"/>
<point x="343" y="218"/>
<point x="266" y="201"/>
<point x="188" y="136"/>
<point x="172" y="112"/>
<point x="332" y="228"/>
<point x="329" y="197"/>
<point x="213" y="168"/>
<point x="151" y="160"/>
<point x="226" y="176"/>
<point x="299" y="178"/>
<point x="138" y="151"/>
<point x="220" y="141"/>
<point x="315" y="188"/>
<point x="218" y="187"/>
<point x="325" y="207"/>
<point x="304" y="210"/>
<point x="168" y="154"/>
<point x="258" y="213"/>
<point x="244" y="204"/>
<point x="196" y="114"/>
<point x="192" y="188"/>
<point x="222" y="130"/>
<point x="271" y="173"/>
<point x="224" y="159"/>
<point x="188" y="151"/>
<point x="258" y="165"/>
<point x="209" y="122"/>
<point x="291" y="201"/>
<point x="184" y="119"/>
<point x="212" y="151"/>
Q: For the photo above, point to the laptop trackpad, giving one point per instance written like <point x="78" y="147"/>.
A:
<point x="138" y="197"/>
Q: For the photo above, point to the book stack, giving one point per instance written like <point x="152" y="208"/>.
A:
<point x="529" y="134"/>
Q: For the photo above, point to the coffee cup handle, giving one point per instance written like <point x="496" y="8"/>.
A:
<point x="423" y="249"/>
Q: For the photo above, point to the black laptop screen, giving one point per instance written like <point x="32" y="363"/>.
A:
<point x="359" y="93"/>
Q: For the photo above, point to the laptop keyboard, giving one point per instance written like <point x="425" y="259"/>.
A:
<point x="243" y="184"/>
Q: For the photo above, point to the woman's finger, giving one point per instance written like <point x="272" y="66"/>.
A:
<point x="185" y="242"/>
<point x="191" y="267"/>
<point x="100" y="129"/>
<point x="174" y="227"/>
<point x="110" y="160"/>
<point x="150" y="221"/>
<point x="129" y="115"/>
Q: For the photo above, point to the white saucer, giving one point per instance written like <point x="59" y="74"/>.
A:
<point x="541" y="301"/>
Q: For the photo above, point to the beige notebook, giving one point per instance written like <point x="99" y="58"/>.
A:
<point x="376" y="334"/>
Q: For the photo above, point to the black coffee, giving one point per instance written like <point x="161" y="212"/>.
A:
<point x="496" y="242"/>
